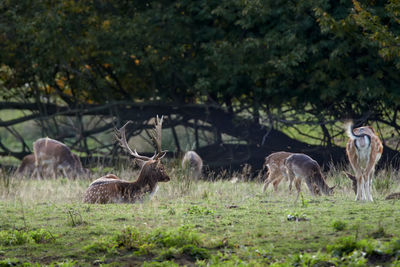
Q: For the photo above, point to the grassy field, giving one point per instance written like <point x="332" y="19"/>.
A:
<point x="205" y="223"/>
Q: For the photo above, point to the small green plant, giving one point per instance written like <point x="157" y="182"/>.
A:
<point x="67" y="263"/>
<point x="178" y="237"/>
<point x="101" y="246"/>
<point x="75" y="217"/>
<point x="14" y="237"/>
<point x="160" y="264"/>
<point x="339" y="225"/>
<point x="9" y="262"/>
<point x="130" y="238"/>
<point x="304" y="202"/>
<point x="379" y="232"/>
<point x="199" y="210"/>
<point x="19" y="237"/>
<point x="171" y="211"/>
<point x="42" y="236"/>
<point x="318" y="259"/>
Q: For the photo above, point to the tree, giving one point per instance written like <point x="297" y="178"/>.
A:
<point x="249" y="67"/>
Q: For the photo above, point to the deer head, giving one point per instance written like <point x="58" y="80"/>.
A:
<point x="151" y="167"/>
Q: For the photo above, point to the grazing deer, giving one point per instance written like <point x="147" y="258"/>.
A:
<point x="192" y="164"/>
<point x="302" y="167"/>
<point x="56" y="156"/>
<point x="27" y="166"/>
<point x="111" y="189"/>
<point x="276" y="169"/>
<point x="364" y="149"/>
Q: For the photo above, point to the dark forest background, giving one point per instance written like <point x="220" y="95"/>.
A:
<point x="243" y="78"/>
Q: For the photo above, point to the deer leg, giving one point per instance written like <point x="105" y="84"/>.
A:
<point x="65" y="173"/>
<point x="310" y="186"/>
<point x="363" y="193"/>
<point x="276" y="183"/>
<point x="267" y="181"/>
<point x="368" y="187"/>
<point x="359" y="181"/>
<point x="358" y="195"/>
<point x="297" y="183"/>
<point x="55" y="170"/>
<point x="38" y="170"/>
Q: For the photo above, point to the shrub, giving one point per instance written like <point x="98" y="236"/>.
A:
<point x="198" y="210"/>
<point x="175" y="237"/>
<point x="42" y="236"/>
<point x="339" y="225"/>
<point x="14" y="237"/>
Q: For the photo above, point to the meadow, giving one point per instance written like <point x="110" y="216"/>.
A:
<point x="213" y="222"/>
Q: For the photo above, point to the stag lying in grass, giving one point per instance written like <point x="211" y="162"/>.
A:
<point x="56" y="156"/>
<point x="276" y="169"/>
<point x="301" y="167"/>
<point x="111" y="189"/>
<point x="192" y="164"/>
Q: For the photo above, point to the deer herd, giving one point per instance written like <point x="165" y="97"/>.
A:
<point x="51" y="157"/>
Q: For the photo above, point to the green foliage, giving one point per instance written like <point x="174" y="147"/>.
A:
<point x="41" y="236"/>
<point x="19" y="237"/>
<point x="339" y="225"/>
<point x="199" y="210"/>
<point x="160" y="264"/>
<point x="318" y="259"/>
<point x="9" y="262"/>
<point x="177" y="237"/>
<point x="236" y="53"/>
<point x="170" y="244"/>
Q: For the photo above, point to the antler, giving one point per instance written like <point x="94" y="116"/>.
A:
<point x="121" y="137"/>
<point x="156" y="136"/>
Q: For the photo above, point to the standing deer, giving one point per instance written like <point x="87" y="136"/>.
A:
<point x="56" y="156"/>
<point x="111" y="189"/>
<point x="276" y="169"/>
<point x="27" y="166"/>
<point x="364" y="149"/>
<point x="302" y="167"/>
<point x="192" y="164"/>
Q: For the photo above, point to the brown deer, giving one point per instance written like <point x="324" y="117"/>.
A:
<point x="364" y="149"/>
<point x="301" y="167"/>
<point x="52" y="154"/>
<point x="192" y="164"/>
<point x="276" y="169"/>
<point x="111" y="189"/>
<point x="27" y="166"/>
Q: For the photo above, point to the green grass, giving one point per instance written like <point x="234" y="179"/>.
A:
<point x="201" y="223"/>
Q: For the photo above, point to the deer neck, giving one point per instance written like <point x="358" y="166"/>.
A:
<point x="323" y="186"/>
<point x="146" y="181"/>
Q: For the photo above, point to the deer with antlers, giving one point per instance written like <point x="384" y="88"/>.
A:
<point x="56" y="156"/>
<point x="192" y="164"/>
<point x="111" y="189"/>
<point x="300" y="167"/>
<point x="276" y="169"/>
<point x="363" y="149"/>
